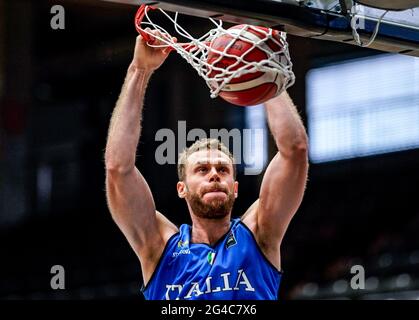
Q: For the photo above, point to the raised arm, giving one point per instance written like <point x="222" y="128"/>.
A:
<point x="129" y="198"/>
<point x="285" y="178"/>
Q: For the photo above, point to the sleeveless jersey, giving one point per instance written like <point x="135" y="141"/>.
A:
<point x="233" y="269"/>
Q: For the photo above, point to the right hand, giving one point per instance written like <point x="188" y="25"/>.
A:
<point x="149" y="58"/>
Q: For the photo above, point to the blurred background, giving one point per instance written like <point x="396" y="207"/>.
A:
<point x="57" y="92"/>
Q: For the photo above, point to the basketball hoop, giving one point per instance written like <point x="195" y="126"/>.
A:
<point x="244" y="64"/>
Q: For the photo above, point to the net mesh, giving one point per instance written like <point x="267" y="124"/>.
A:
<point x="277" y="62"/>
<point x="355" y="15"/>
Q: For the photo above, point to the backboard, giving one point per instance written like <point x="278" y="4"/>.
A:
<point x="320" y="19"/>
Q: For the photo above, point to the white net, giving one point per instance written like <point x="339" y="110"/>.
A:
<point x="358" y="19"/>
<point x="209" y="61"/>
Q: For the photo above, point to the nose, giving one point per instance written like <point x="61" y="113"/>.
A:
<point x="214" y="177"/>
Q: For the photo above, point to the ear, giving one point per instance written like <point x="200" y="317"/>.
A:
<point x="236" y="189"/>
<point x="182" y="189"/>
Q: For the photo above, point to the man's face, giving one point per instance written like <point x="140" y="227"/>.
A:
<point x="209" y="187"/>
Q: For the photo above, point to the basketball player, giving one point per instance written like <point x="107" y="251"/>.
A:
<point x="217" y="257"/>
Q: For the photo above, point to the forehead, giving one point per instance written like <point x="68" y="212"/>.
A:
<point x="208" y="157"/>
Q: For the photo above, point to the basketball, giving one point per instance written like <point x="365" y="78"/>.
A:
<point x="248" y="88"/>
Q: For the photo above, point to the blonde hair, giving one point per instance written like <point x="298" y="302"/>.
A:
<point x="200" y="145"/>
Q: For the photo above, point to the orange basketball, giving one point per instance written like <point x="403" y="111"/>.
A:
<point x="250" y="88"/>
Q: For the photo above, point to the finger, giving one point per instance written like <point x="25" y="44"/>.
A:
<point x="167" y="50"/>
<point x="151" y="36"/>
<point x="162" y="39"/>
<point x="170" y="48"/>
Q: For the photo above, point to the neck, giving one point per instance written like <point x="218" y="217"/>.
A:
<point x="209" y="230"/>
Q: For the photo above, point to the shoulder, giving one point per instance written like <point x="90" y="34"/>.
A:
<point x="155" y="250"/>
<point x="269" y="247"/>
<point x="166" y="228"/>
<point x="154" y="246"/>
<point x="249" y="218"/>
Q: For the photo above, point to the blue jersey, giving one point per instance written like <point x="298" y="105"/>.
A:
<point x="233" y="269"/>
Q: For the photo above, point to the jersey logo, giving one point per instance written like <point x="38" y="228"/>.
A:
<point x="226" y="282"/>
<point x="211" y="257"/>
<point x="181" y="243"/>
<point x="180" y="252"/>
<point x="231" y="240"/>
<point x="182" y="248"/>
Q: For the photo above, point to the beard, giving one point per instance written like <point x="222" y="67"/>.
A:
<point x="214" y="209"/>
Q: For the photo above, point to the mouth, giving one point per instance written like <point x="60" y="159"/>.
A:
<point x="214" y="194"/>
<point x="218" y="196"/>
<point x="215" y="191"/>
